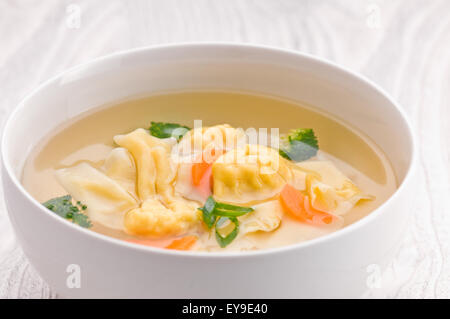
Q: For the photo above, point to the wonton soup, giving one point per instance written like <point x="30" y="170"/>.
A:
<point x="209" y="171"/>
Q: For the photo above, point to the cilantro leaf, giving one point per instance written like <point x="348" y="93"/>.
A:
<point x="63" y="207"/>
<point x="299" y="145"/>
<point x="166" y="130"/>
<point x="81" y="219"/>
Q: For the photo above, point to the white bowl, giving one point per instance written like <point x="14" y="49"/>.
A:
<point x="332" y="266"/>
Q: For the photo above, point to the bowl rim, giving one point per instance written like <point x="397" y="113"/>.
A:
<point x="271" y="50"/>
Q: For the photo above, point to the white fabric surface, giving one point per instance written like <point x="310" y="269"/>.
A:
<point x="403" y="45"/>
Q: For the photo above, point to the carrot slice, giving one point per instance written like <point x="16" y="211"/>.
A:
<point x="184" y="243"/>
<point x="198" y="171"/>
<point x="205" y="187"/>
<point x="299" y="207"/>
<point x="202" y="172"/>
<point x="203" y="166"/>
<point x="292" y="201"/>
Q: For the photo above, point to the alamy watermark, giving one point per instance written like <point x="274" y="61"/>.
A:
<point x="239" y="146"/>
<point x="73" y="19"/>
<point x="373" y="16"/>
<point x="73" y="280"/>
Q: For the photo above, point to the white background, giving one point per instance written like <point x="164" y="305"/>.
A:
<point x="403" y="45"/>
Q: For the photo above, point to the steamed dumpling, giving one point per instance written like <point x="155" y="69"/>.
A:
<point x="330" y="190"/>
<point x="162" y="212"/>
<point x="133" y="191"/>
<point x="157" y="219"/>
<point x="254" y="172"/>
<point x="265" y="217"/>
<point x="155" y="171"/>
<point x="202" y="144"/>
<point x="106" y="200"/>
<point x="119" y="165"/>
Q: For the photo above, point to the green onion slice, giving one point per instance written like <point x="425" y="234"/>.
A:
<point x="226" y="240"/>
<point x="208" y="212"/>
<point x="215" y="213"/>
<point x="227" y="210"/>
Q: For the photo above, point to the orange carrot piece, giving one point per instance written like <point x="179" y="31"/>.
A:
<point x="198" y="171"/>
<point x="184" y="243"/>
<point x="201" y="168"/>
<point x="202" y="172"/>
<point x="292" y="201"/>
<point x="204" y="188"/>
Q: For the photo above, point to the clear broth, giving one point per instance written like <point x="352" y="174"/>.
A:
<point x="89" y="137"/>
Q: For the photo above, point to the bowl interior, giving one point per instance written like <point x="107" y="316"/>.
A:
<point x="224" y="67"/>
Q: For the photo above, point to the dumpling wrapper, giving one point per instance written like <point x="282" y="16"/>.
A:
<point x="265" y="217"/>
<point x="330" y="190"/>
<point x="119" y="165"/>
<point x="184" y="185"/>
<point x="162" y="212"/>
<point x="154" y="219"/>
<point x="202" y="143"/>
<point x="134" y="191"/>
<point x="251" y="173"/>
<point x="155" y="170"/>
<point x="106" y="200"/>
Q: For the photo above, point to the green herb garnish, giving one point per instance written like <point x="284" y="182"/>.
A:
<point x="63" y="207"/>
<point x="299" y="145"/>
<point x="215" y="214"/>
<point x="208" y="216"/>
<point x="228" y="238"/>
<point x="166" y="130"/>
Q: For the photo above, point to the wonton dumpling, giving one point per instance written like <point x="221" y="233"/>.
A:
<point x="155" y="219"/>
<point x="266" y="217"/>
<point x="162" y="213"/>
<point x="204" y="143"/>
<point x="329" y="188"/>
<point x="119" y="165"/>
<point x="254" y="172"/>
<point x="298" y="178"/>
<point x="106" y="200"/>
<point x="155" y="170"/>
